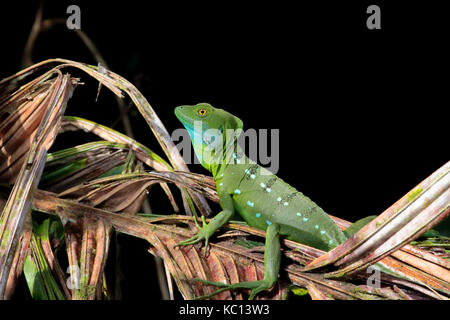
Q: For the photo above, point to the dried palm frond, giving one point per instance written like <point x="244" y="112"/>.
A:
<point x="30" y="114"/>
<point x="415" y="213"/>
<point x="99" y="187"/>
<point x="231" y="258"/>
<point x="31" y="117"/>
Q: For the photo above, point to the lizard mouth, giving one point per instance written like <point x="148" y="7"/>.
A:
<point x="181" y="115"/>
<point x="187" y="122"/>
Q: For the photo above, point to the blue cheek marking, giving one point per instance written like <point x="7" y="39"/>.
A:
<point x="299" y="214"/>
<point x="258" y="215"/>
<point x="268" y="222"/>
<point x="251" y="204"/>
<point x="237" y="191"/>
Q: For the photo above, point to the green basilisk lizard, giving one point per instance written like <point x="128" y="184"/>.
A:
<point x="262" y="199"/>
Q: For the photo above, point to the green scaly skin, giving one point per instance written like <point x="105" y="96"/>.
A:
<point x="262" y="199"/>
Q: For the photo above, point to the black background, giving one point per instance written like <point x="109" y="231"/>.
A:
<point x="362" y="113"/>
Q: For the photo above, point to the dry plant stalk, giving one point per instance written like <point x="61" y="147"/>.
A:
<point x="30" y="119"/>
<point x="26" y="134"/>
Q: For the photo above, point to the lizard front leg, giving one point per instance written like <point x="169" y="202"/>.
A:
<point x="207" y="229"/>
<point x="272" y="259"/>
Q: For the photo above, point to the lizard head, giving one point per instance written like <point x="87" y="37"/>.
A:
<point x="211" y="130"/>
<point x="210" y="117"/>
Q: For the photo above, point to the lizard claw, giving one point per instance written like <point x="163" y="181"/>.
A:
<point x="203" y="233"/>
<point x="192" y="240"/>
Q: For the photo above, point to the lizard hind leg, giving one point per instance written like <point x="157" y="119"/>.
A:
<point x="255" y="286"/>
<point x="272" y="256"/>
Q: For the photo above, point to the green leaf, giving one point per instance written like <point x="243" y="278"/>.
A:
<point x="114" y="171"/>
<point x="62" y="172"/>
<point x="355" y="227"/>
<point x="34" y="279"/>
<point x="298" y="291"/>
<point x="443" y="228"/>
<point x="249" y="244"/>
<point x="39" y="277"/>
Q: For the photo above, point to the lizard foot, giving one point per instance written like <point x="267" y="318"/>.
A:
<point x="255" y="286"/>
<point x="203" y="233"/>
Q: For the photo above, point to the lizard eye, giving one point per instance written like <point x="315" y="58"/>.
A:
<point x="202" y="112"/>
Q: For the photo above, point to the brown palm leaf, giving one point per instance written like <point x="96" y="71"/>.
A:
<point x="228" y="260"/>
<point x="415" y="213"/>
<point x="27" y="132"/>
<point x="30" y="114"/>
